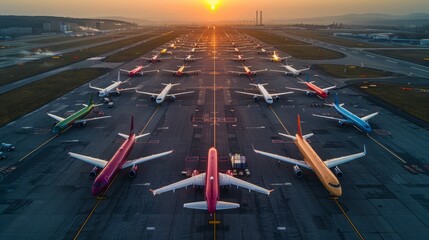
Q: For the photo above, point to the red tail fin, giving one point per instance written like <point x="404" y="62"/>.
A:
<point x="299" y="127"/>
<point x="132" y="125"/>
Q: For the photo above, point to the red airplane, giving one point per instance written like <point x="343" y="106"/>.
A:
<point x="212" y="180"/>
<point x="247" y="71"/>
<point x="117" y="162"/>
<point x="138" y="70"/>
<point x="314" y="90"/>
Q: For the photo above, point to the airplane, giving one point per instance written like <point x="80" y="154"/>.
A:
<point x="263" y="51"/>
<point x="138" y="70"/>
<point x="264" y="93"/>
<point x="313" y="89"/>
<point x="155" y="58"/>
<point x="75" y="118"/>
<point x="212" y="179"/>
<point x="117" y="162"/>
<point x="275" y="58"/>
<point x="290" y="70"/>
<point x="240" y="58"/>
<point x="160" y="97"/>
<point x="313" y="162"/>
<point x="104" y="92"/>
<point x="164" y="51"/>
<point x="180" y="71"/>
<point x="188" y="58"/>
<point x="236" y="50"/>
<point x="173" y="45"/>
<point x="247" y="71"/>
<point x="349" y="118"/>
<point x="195" y="50"/>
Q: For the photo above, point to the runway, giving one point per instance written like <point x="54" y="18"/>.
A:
<point x="46" y="195"/>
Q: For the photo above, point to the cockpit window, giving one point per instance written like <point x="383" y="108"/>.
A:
<point x="334" y="185"/>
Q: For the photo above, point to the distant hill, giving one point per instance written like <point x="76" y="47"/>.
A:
<point x="142" y="22"/>
<point x="417" y="19"/>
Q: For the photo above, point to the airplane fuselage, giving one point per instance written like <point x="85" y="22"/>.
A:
<point x="355" y="120"/>
<point x="212" y="181"/>
<point x="325" y="175"/>
<point x="319" y="92"/>
<point x="267" y="97"/>
<point x="292" y="71"/>
<point x="135" y="71"/>
<point x="161" y="97"/>
<point x="105" y="177"/>
<point x="72" y="118"/>
<point x="112" y="88"/>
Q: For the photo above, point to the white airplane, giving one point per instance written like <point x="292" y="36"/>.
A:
<point x="155" y="58"/>
<point x="247" y="71"/>
<point x="104" y="92"/>
<point x="189" y="58"/>
<point x="275" y="58"/>
<point x="160" y="97"/>
<point x="180" y="71"/>
<point x="240" y="58"/>
<point x="264" y="93"/>
<point x="195" y="50"/>
<point x="263" y="51"/>
<point x="290" y="70"/>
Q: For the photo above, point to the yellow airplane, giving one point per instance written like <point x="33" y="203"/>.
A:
<point x="313" y="162"/>
<point x="165" y="51"/>
<point x="275" y="58"/>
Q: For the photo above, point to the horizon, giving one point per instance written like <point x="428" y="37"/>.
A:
<point x="211" y="10"/>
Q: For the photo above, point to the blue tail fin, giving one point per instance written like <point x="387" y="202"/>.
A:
<point x="307" y="79"/>
<point x="336" y="99"/>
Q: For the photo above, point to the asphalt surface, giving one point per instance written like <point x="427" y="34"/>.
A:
<point x="46" y="195"/>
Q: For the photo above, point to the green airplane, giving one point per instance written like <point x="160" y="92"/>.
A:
<point x="75" y="118"/>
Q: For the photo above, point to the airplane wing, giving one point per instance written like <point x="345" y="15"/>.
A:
<point x="265" y="58"/>
<point x="59" y="119"/>
<point x="91" y="160"/>
<point x="331" y="118"/>
<point x="281" y="71"/>
<point x="198" y="180"/>
<point x="147" y="93"/>
<point x="125" y="89"/>
<point x="236" y="72"/>
<point x="192" y="72"/>
<point x="225" y="179"/>
<point x="123" y="70"/>
<point x="366" y="118"/>
<point x="170" y="71"/>
<point x="340" y="160"/>
<point x="144" y="159"/>
<point x="262" y="70"/>
<point x="300" y="89"/>
<point x="163" y="58"/>
<point x="279" y="94"/>
<point x="181" y="93"/>
<point x="329" y="88"/>
<point x="302" y="70"/>
<point x="96" y="88"/>
<point x="91" y="119"/>
<point x="251" y="94"/>
<point x="148" y="71"/>
<point x="284" y="159"/>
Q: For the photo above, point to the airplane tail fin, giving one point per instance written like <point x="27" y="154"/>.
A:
<point x="336" y="99"/>
<point x="132" y="125"/>
<point x="299" y="127"/>
<point x="91" y="101"/>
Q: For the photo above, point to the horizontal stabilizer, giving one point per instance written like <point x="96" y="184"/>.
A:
<point x="366" y="118"/>
<point x="91" y="119"/>
<point x="221" y="205"/>
<point x="59" y="119"/>
<point x="288" y="136"/>
<point x="145" y="159"/>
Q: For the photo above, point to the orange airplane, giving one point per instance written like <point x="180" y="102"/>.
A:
<point x="313" y="162"/>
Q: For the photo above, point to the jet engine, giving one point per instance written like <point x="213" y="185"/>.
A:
<point x="255" y="98"/>
<point x="152" y="98"/>
<point x="277" y="98"/>
<point x="172" y="98"/>
<point x="133" y="171"/>
<point x="297" y="171"/>
<point x="195" y="173"/>
<point x="338" y="171"/>
<point x="229" y="172"/>
<point x="82" y="124"/>
<point x="94" y="172"/>
<point x="342" y="123"/>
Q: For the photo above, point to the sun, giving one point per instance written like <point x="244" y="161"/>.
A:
<point x="213" y="7"/>
<point x="213" y="4"/>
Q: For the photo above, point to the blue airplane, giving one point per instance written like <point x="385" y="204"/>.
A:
<point x="348" y="117"/>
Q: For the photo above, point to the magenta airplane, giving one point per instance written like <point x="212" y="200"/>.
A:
<point x="117" y="162"/>
<point x="211" y="179"/>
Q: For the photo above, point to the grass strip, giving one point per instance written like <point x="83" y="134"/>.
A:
<point x="351" y="71"/>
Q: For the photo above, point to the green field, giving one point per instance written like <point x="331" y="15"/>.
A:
<point x="414" y="56"/>
<point x="30" y="97"/>
<point x="14" y="73"/>
<point x="350" y="71"/>
<point x="135" y="52"/>
<point x="413" y="100"/>
<point x="82" y="42"/>
<point x="329" y="38"/>
<point x="297" y="49"/>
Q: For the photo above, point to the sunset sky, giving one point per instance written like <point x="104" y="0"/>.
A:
<point x="201" y="10"/>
